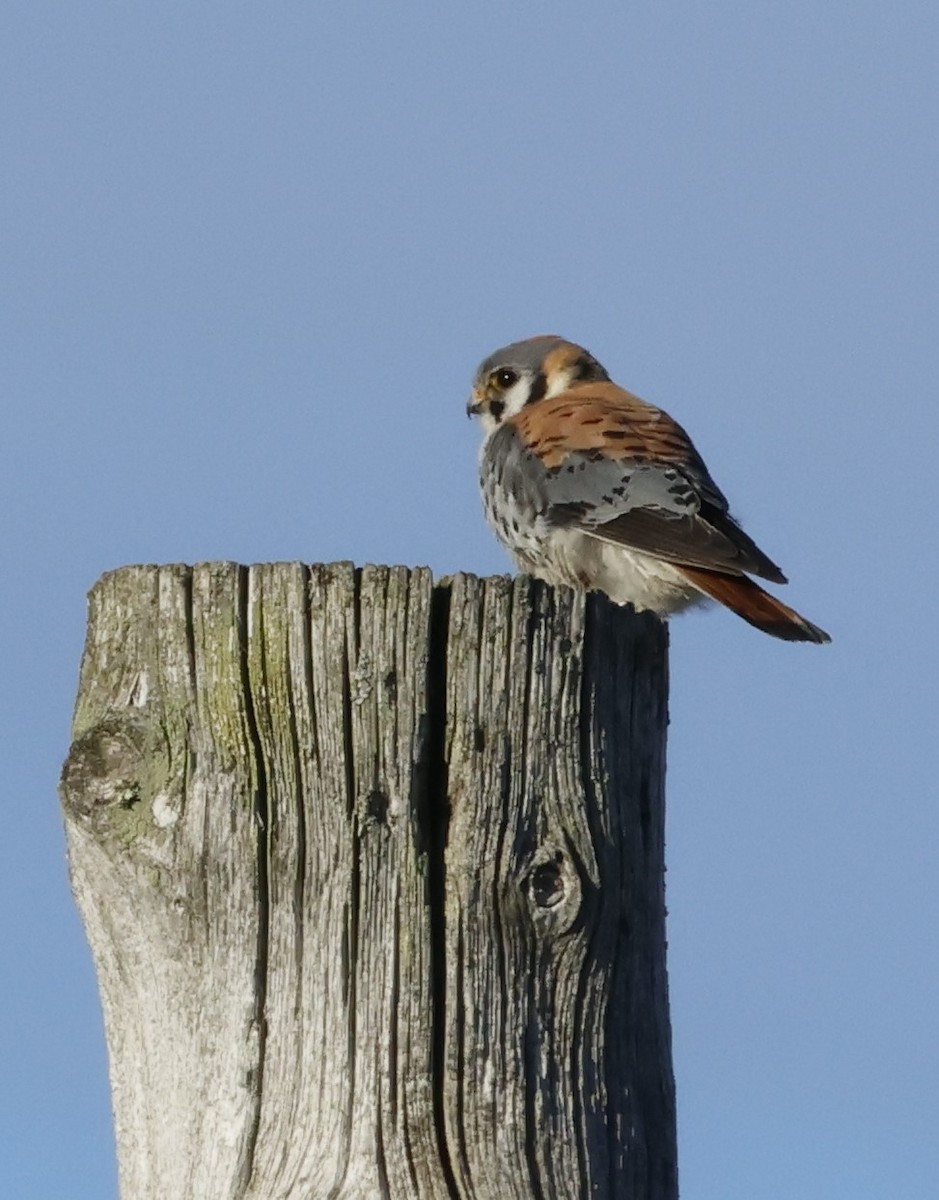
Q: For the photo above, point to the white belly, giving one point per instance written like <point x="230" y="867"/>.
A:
<point x="574" y="559"/>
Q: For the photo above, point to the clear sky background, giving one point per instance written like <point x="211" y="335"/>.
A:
<point x="251" y="256"/>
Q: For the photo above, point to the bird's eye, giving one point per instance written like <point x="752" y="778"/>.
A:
<point x="505" y="377"/>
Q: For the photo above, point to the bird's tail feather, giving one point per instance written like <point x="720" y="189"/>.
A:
<point x="748" y="600"/>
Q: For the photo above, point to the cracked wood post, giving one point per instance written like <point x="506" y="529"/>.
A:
<point x="372" y="872"/>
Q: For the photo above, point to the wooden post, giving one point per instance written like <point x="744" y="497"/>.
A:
<point x="372" y="871"/>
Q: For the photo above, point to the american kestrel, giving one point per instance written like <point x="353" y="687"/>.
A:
<point x="590" y="487"/>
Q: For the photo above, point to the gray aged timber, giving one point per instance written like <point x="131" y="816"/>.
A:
<point x="372" y="871"/>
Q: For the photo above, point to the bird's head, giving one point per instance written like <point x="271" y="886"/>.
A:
<point x="526" y="372"/>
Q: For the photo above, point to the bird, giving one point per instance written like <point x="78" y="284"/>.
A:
<point x="590" y="487"/>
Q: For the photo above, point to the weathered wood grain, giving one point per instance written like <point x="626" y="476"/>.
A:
<point x="372" y="872"/>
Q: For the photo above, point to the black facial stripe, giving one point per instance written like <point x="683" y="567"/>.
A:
<point x="587" y="368"/>
<point x="539" y="385"/>
<point x="496" y="409"/>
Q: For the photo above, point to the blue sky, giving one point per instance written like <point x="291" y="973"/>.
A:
<point x="252" y="255"/>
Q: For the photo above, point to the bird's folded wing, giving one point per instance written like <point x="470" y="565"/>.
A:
<point x="714" y="541"/>
<point x="662" y="506"/>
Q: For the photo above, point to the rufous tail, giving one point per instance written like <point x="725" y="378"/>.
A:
<point x="748" y="600"/>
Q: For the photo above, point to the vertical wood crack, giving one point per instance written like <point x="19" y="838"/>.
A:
<point x="535" y="600"/>
<point x="350" y="943"/>
<point x="300" y="810"/>
<point x="262" y="816"/>
<point x="433" y="821"/>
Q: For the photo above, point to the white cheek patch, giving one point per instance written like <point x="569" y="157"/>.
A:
<point x="559" y="382"/>
<point x="516" y="397"/>
<point x="513" y="400"/>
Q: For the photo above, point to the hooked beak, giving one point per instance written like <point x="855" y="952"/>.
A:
<point x="474" y="406"/>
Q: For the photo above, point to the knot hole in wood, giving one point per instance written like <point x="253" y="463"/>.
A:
<point x="553" y="888"/>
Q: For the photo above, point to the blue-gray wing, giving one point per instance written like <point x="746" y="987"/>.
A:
<point x="672" y="512"/>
